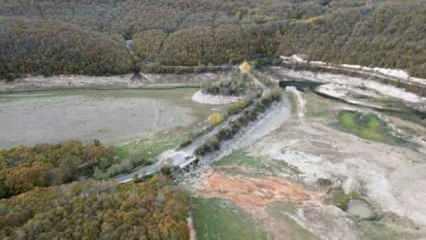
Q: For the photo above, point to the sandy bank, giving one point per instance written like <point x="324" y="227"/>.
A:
<point x="204" y="98"/>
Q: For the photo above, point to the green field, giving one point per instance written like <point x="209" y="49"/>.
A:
<point x="217" y="219"/>
<point x="280" y="211"/>
<point x="368" y="126"/>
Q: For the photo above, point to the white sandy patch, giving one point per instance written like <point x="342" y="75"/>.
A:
<point x="383" y="89"/>
<point x="203" y="98"/>
<point x="351" y="94"/>
<point x="385" y="172"/>
<point x="396" y="73"/>
<point x="294" y="58"/>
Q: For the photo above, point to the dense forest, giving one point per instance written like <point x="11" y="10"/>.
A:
<point x="88" y="37"/>
<point x="25" y="168"/>
<point x="97" y="210"/>
<point x="48" y="191"/>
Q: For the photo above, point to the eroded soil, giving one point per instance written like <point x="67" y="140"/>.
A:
<point x="250" y="192"/>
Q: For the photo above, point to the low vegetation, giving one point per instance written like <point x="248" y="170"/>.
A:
<point x="140" y="153"/>
<point x="238" y="106"/>
<point x="340" y="199"/>
<point x="282" y="212"/>
<point x="25" y="168"/>
<point x="218" y="219"/>
<point x="368" y="126"/>
<point x="237" y="85"/>
<point x="215" y="118"/>
<point x="154" y="209"/>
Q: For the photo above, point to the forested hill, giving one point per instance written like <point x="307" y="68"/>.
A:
<point x="88" y="36"/>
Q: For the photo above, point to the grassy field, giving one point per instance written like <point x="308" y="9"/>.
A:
<point x="368" y="126"/>
<point x="217" y="219"/>
<point x="279" y="211"/>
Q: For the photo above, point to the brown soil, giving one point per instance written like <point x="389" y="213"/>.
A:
<point x="249" y="193"/>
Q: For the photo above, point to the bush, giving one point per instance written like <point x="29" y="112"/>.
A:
<point x="213" y="144"/>
<point x="259" y="107"/>
<point x="237" y="107"/>
<point x="215" y="119"/>
<point x="236" y="86"/>
<point x="225" y="134"/>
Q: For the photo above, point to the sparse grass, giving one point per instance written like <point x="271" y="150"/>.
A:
<point x="240" y="158"/>
<point x="149" y="148"/>
<point x="217" y="219"/>
<point x="318" y="107"/>
<point x="280" y="211"/>
<point x="256" y="165"/>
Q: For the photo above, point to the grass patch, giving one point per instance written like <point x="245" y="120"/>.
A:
<point x="149" y="148"/>
<point x="141" y="153"/>
<point x="280" y="211"/>
<point x="240" y="158"/>
<point x="217" y="219"/>
<point x="257" y="165"/>
<point x="341" y="200"/>
<point x="368" y="126"/>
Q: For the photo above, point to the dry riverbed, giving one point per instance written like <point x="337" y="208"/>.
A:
<point x="113" y="116"/>
<point x="322" y="169"/>
<point x="293" y="181"/>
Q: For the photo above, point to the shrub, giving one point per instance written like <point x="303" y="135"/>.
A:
<point x="259" y="107"/>
<point x="215" y="118"/>
<point x="212" y="144"/>
<point x="237" y="107"/>
<point x="225" y="134"/>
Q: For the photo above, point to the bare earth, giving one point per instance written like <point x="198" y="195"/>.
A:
<point x="34" y="118"/>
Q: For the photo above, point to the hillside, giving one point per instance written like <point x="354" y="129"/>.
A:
<point x="97" y="210"/>
<point x="386" y="33"/>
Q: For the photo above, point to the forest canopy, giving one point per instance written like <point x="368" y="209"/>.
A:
<point x="97" y="210"/>
<point x="383" y="33"/>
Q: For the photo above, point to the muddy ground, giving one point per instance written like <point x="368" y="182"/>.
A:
<point x="112" y="116"/>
